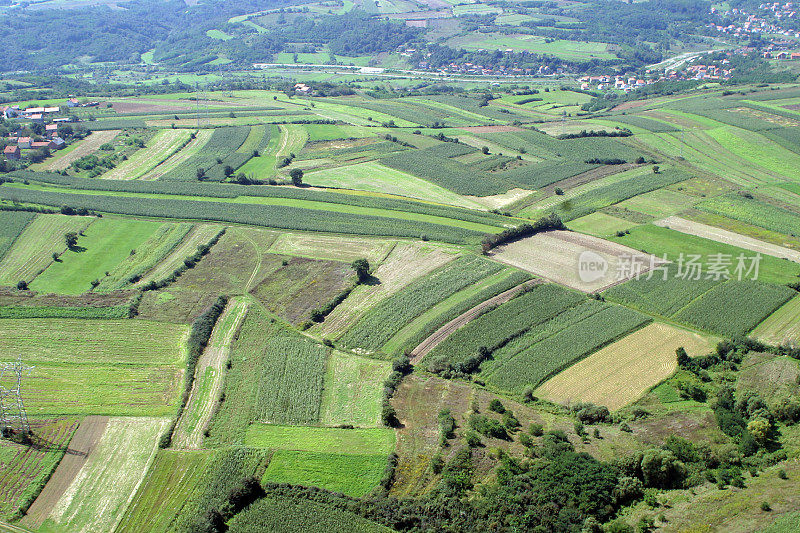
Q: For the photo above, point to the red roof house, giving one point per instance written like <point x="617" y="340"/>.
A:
<point x="11" y="152"/>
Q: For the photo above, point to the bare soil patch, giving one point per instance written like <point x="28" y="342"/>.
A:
<point x="556" y="255"/>
<point x="80" y="447"/>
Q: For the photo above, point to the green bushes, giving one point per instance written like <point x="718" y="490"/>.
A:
<point x="547" y="223"/>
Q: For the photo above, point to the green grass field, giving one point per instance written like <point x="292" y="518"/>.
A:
<point x="172" y="480"/>
<point x="359" y="441"/>
<point x="114" y="367"/>
<point x="572" y="50"/>
<point x="352" y="393"/>
<point x="160" y="148"/>
<point x="373" y="176"/>
<point x="34" y="248"/>
<point x="106" y="243"/>
<point x="782" y="326"/>
<point x="353" y="475"/>
<point x="12" y="224"/>
<point x="155" y="249"/>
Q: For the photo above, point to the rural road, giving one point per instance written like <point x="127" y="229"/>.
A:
<point x="445" y="331"/>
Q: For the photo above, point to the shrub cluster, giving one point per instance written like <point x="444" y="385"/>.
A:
<point x="546" y="223"/>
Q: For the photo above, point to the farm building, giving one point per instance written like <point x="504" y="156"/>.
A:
<point x="12" y="152"/>
<point x="43" y="144"/>
<point x="24" y="142"/>
<point x="51" y="129"/>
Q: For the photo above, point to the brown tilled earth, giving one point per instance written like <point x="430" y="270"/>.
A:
<point x="490" y="129"/>
<point x="82" y="444"/>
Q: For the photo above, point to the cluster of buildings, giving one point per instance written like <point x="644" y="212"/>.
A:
<point x="621" y="83"/>
<point x="768" y="21"/>
<point x="18" y="143"/>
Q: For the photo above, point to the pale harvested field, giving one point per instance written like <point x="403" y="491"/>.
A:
<point x="407" y="262"/>
<point x="621" y="372"/>
<point x="728" y="237"/>
<point x="782" y="326"/>
<point x="490" y="129"/>
<point x="80" y="447"/>
<point x="207" y="386"/>
<point x="554" y="255"/>
<point x="179" y="157"/>
<point x="332" y="248"/>
<point x="200" y="234"/>
<point x="33" y="251"/>
<point x="87" y="146"/>
<point x="99" y="495"/>
<point x="499" y="201"/>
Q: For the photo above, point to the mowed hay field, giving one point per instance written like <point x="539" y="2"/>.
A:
<point x="555" y="255"/>
<point x="106" y="243"/>
<point x="160" y="148"/>
<point x="114" y="367"/>
<point x="332" y="248"/>
<point x="33" y="250"/>
<point x="782" y="326"/>
<point x="621" y="372"/>
<point x="101" y="492"/>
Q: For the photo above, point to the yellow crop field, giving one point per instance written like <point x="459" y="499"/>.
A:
<point x="624" y="370"/>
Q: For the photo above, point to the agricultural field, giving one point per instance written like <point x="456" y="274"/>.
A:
<point x="320" y="391"/>
<point x="136" y="366"/>
<point x="557" y="256"/>
<point x="629" y="367"/>
<point x="105" y="243"/>
<point x="351" y="393"/>
<point x="160" y="148"/>
<point x="782" y="326"/>
<point x="33" y="249"/>
<point x="98" y="497"/>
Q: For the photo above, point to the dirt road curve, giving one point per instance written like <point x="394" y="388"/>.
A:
<point x="82" y="444"/>
<point x="445" y="331"/>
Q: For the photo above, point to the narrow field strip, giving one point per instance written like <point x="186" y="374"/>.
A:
<point x="175" y="160"/>
<point x="445" y="331"/>
<point x="100" y="494"/>
<point x="207" y="386"/>
<point x="728" y="237"/>
<point x="331" y="248"/>
<point x="160" y="148"/>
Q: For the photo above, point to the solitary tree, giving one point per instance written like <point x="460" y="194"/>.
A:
<point x="655" y="169"/>
<point x="200" y="173"/>
<point x="485" y="150"/>
<point x="361" y="266"/>
<point x="297" y="176"/>
<point x="71" y="239"/>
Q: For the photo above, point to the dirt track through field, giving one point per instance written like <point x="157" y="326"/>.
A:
<point x="448" y="329"/>
<point x="200" y="234"/>
<point x="82" y="444"/>
<point x="728" y="237"/>
<point x="200" y="407"/>
<point x="87" y="146"/>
